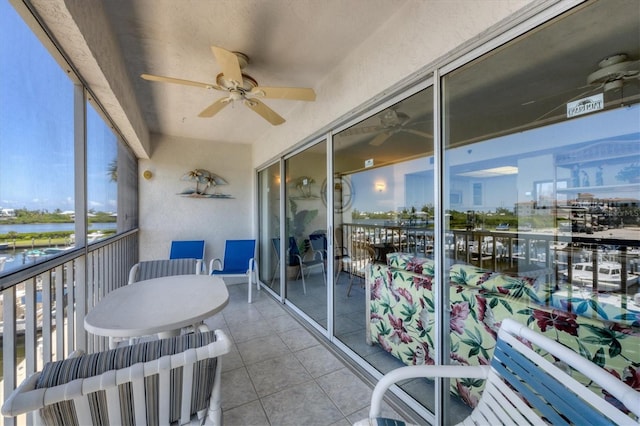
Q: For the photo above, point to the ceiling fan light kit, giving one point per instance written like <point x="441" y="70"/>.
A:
<point x="240" y="87"/>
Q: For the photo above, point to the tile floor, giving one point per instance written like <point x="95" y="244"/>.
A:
<point x="350" y="324"/>
<point x="279" y="373"/>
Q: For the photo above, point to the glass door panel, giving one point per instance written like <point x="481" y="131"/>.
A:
<point x="269" y="216"/>
<point x="539" y="211"/>
<point x="306" y="230"/>
<point x="383" y="205"/>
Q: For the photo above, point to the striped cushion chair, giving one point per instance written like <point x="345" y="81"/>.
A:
<point x="167" y="381"/>
<point x="163" y="268"/>
<point x="524" y="387"/>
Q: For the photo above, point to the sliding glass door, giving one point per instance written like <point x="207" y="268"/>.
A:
<point x="269" y="229"/>
<point x="542" y="214"/>
<point x="305" y="245"/>
<point x="383" y="191"/>
<point x="524" y="206"/>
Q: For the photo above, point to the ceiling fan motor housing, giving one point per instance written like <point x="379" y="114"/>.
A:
<point x="613" y="70"/>
<point x="240" y="87"/>
<point x="248" y="83"/>
<point x="243" y="60"/>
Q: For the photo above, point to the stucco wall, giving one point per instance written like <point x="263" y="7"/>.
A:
<point x="165" y="216"/>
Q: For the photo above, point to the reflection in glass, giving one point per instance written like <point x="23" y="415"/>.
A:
<point x="269" y="199"/>
<point x="384" y="209"/>
<point x="306" y="281"/>
<point x="102" y="177"/>
<point x="542" y="221"/>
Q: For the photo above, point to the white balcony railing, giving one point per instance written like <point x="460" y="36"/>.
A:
<point x="517" y="252"/>
<point x="43" y="307"/>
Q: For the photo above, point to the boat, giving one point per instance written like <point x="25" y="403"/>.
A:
<point x="608" y="277"/>
<point x="34" y="254"/>
<point x="55" y="250"/>
<point x="94" y="236"/>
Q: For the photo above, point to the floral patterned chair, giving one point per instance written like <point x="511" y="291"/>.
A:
<point x="400" y="312"/>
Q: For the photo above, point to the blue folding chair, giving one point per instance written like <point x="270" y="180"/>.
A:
<point x="306" y="263"/>
<point x="239" y="261"/>
<point x="188" y="250"/>
<point x="318" y="241"/>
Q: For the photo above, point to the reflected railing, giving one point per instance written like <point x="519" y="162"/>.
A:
<point x="43" y="307"/>
<point x="603" y="264"/>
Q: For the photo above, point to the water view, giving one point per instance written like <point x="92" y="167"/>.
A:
<point x="51" y="227"/>
<point x="15" y="257"/>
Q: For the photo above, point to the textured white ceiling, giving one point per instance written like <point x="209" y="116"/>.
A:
<point x="348" y="51"/>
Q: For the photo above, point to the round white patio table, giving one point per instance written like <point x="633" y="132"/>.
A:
<point x="157" y="306"/>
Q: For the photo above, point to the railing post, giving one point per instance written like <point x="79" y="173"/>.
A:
<point x="80" y="304"/>
<point x="9" y="344"/>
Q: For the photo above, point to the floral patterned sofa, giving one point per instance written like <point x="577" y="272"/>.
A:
<point x="400" y="312"/>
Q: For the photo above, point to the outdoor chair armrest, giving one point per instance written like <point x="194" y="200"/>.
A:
<point x="422" y="371"/>
<point x="215" y="265"/>
<point x="316" y="252"/>
<point x="132" y="273"/>
<point x="25" y="398"/>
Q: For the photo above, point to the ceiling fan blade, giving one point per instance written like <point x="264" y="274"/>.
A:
<point x="380" y="139"/>
<point x="293" y="93"/>
<point x="360" y="130"/>
<point x="419" y="133"/>
<point x="229" y="64"/>
<point x="215" y="107"/>
<point x="162" y="79"/>
<point x="267" y="113"/>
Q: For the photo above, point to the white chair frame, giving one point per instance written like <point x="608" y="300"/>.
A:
<point x="26" y="398"/>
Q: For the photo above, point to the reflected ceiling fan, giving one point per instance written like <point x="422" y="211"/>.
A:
<point x="240" y="87"/>
<point x="392" y="121"/>
<point x="612" y="74"/>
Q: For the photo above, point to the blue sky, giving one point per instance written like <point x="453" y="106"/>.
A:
<point x="36" y="128"/>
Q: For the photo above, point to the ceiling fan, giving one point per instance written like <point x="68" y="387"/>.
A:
<point x="613" y="71"/>
<point x="392" y="121"/>
<point x="240" y="87"/>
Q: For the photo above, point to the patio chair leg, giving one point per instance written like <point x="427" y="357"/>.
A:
<point x="251" y="275"/>
<point x="250" y="283"/>
<point x="214" y="413"/>
<point x="274" y="273"/>
<point x="341" y="268"/>
<point x="350" y="285"/>
<point x="304" y="286"/>
<point x="255" y="280"/>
